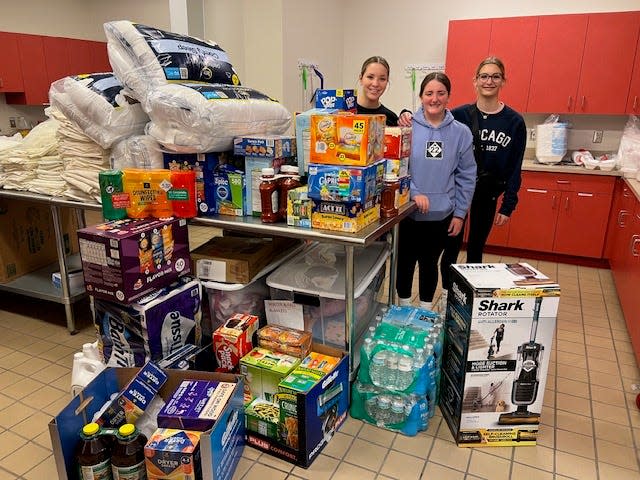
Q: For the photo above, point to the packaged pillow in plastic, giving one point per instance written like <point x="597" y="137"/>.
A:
<point x="137" y="151"/>
<point x="95" y="102"/>
<point x="144" y="58"/>
<point x="198" y="118"/>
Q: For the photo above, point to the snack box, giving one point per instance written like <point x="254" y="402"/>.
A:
<point x="340" y="99"/>
<point x="195" y="405"/>
<point x="173" y="454"/>
<point x="285" y="340"/>
<point x="124" y="260"/>
<point x="299" y="207"/>
<point x="312" y="368"/>
<point x="220" y="448"/>
<point x="234" y="340"/>
<point x="265" y="146"/>
<point x="345" y="183"/>
<point x="263" y="370"/>
<point x="404" y="192"/>
<point x="397" y="166"/>
<point x="350" y="217"/>
<point x="262" y="417"/>
<point x="230" y="192"/>
<point x="397" y="142"/>
<point x="303" y="135"/>
<point x="308" y="420"/>
<point x="347" y="139"/>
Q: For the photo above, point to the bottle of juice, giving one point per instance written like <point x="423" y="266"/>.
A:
<point x="289" y="180"/>
<point x="269" y="196"/>
<point x="127" y="459"/>
<point x="93" y="454"/>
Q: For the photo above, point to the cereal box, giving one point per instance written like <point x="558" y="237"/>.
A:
<point x="397" y="142"/>
<point x="340" y="99"/>
<point x="172" y="453"/>
<point x="346" y="139"/>
<point x="233" y="340"/>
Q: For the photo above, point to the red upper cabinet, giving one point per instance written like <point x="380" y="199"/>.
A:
<point x="610" y="47"/>
<point x="556" y="63"/>
<point x="633" y="102"/>
<point x="34" y="73"/>
<point x="80" y="56"/>
<point x="467" y="45"/>
<point x="99" y="57"/>
<point x="56" y="58"/>
<point x="516" y="56"/>
<point x="10" y="71"/>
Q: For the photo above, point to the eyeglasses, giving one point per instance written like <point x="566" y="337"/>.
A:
<point x="484" y="77"/>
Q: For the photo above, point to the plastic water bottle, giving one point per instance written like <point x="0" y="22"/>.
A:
<point x="368" y="347"/>
<point x="390" y="371"/>
<point x="405" y="374"/>
<point x="371" y="406"/>
<point x="383" y="410"/>
<point x="377" y="367"/>
<point x="397" y="415"/>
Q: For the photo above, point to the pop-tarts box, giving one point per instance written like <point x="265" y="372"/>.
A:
<point x="205" y="165"/>
<point x="195" y="405"/>
<point x="124" y="260"/>
<point x="340" y="99"/>
<point x="220" y="447"/>
<point x="303" y="135"/>
<point x="265" y="146"/>
<point x="340" y="183"/>
<point x="308" y="420"/>
<point x="230" y="192"/>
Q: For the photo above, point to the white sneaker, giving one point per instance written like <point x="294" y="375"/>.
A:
<point x="426" y="305"/>
<point x="404" y="302"/>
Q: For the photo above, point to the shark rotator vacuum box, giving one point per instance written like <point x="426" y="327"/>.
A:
<point x="499" y="328"/>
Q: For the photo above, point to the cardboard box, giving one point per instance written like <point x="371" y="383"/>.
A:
<point x="220" y="448"/>
<point x="253" y="170"/>
<point x="173" y="453"/>
<point x="299" y="207"/>
<point x="28" y="238"/>
<point x="347" y="139"/>
<point x="303" y="135"/>
<point x="263" y="417"/>
<point x="230" y="192"/>
<point x="265" y="146"/>
<point x="234" y="340"/>
<point x="124" y="260"/>
<point x="308" y="420"/>
<point x="404" y="195"/>
<point x="397" y="167"/>
<point x="345" y="183"/>
<point x="263" y="370"/>
<point x="350" y="217"/>
<point x="397" y="142"/>
<point x="237" y="259"/>
<point x="340" y="99"/>
<point x="499" y="331"/>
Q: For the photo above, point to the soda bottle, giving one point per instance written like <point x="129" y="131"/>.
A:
<point x="127" y="459"/>
<point x="93" y="454"/>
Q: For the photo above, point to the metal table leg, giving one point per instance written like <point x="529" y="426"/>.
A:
<point x="64" y="277"/>
<point x="393" y="268"/>
<point x="350" y="311"/>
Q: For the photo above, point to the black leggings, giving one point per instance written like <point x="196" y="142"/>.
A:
<point x="481" y="215"/>
<point x="421" y="242"/>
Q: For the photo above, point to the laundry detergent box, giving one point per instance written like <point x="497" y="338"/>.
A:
<point x="265" y="146"/>
<point x="205" y="165"/>
<point x="341" y="99"/>
<point x="499" y="330"/>
<point x="397" y="142"/>
<point x="303" y="135"/>
<point x="220" y="447"/>
<point x="341" y="183"/>
<point x="309" y="419"/>
<point x="347" y="139"/>
<point x="151" y="328"/>
<point x="124" y="260"/>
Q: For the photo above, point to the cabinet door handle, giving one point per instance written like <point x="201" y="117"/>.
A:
<point x="582" y="103"/>
<point x="634" y="241"/>
<point x="536" y="190"/>
<point x="635" y="102"/>
<point x="569" y="103"/>
<point x="566" y="203"/>
<point x="563" y="182"/>
<point x="582" y="194"/>
<point x="553" y="202"/>
<point x="1" y="83"/>
<point x="621" y="215"/>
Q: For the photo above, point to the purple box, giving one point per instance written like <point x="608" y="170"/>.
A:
<point x="195" y="405"/>
<point x="124" y="260"/>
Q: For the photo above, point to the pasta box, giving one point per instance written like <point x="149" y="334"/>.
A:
<point x="220" y="447"/>
<point x="308" y="419"/>
<point x="124" y="260"/>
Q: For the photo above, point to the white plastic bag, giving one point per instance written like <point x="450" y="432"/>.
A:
<point x="629" y="150"/>
<point x="551" y="140"/>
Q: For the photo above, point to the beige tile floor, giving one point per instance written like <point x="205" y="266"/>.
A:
<point x="590" y="424"/>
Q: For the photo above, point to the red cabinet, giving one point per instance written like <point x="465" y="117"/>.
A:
<point x="80" y="56"/>
<point x="10" y="70"/>
<point x="99" y="57"/>
<point x="633" y="102"/>
<point x="467" y="45"/>
<point x="56" y="58"/>
<point x="562" y="213"/>
<point x="34" y="72"/>
<point x="556" y="63"/>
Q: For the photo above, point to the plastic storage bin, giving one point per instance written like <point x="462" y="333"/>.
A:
<point x="316" y="279"/>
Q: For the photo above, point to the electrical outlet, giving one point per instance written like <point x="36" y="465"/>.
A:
<point x="12" y="122"/>
<point x="532" y="134"/>
<point x="597" y="136"/>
